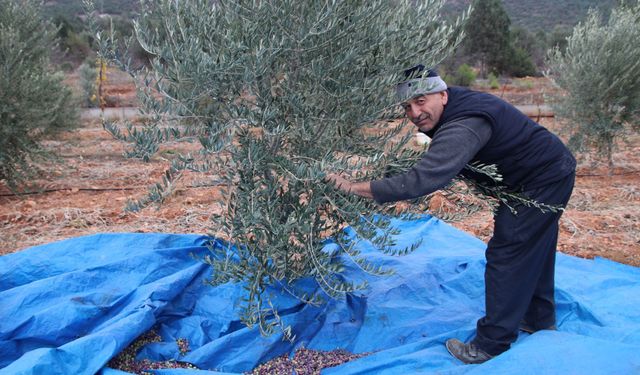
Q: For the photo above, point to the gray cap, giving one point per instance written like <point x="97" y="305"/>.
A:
<point x="419" y="81"/>
<point x="419" y="86"/>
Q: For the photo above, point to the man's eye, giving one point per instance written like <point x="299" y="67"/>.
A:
<point x="420" y="102"/>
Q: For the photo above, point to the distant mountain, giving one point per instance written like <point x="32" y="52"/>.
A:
<point x="544" y="15"/>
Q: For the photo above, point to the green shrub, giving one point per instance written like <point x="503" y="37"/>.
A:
<point x="599" y="69"/>
<point x="76" y="47"/>
<point x="493" y="81"/>
<point x="88" y="74"/>
<point x="465" y="76"/>
<point x="448" y="78"/>
<point x="33" y="99"/>
<point x="519" y="63"/>
<point x="66" y="67"/>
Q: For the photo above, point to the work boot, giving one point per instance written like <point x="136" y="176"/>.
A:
<point x="467" y="353"/>
<point x="526" y="327"/>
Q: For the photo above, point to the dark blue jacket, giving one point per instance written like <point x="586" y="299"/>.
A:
<point x="527" y="155"/>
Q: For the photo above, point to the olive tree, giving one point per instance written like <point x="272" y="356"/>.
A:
<point x="599" y="71"/>
<point x="33" y="99"/>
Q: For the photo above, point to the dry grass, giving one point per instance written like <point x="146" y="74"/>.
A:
<point x="87" y="193"/>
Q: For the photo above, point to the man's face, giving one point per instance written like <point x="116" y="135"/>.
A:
<point x="425" y="111"/>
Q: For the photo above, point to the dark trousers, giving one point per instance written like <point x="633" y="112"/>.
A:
<point x="519" y="276"/>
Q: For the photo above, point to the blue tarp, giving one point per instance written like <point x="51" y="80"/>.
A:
<point x="70" y="306"/>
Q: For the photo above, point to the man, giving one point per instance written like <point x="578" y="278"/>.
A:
<point x="468" y="126"/>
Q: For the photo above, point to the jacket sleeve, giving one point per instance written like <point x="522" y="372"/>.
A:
<point x="452" y="147"/>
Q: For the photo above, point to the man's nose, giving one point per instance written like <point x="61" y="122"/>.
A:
<point x="413" y="111"/>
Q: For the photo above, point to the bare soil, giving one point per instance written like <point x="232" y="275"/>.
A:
<point x="87" y="190"/>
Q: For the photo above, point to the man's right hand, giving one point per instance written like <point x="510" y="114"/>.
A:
<point x="339" y="182"/>
<point x="362" y="189"/>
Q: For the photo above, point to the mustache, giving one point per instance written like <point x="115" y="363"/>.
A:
<point x="416" y="120"/>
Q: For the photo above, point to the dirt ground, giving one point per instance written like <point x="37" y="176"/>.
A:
<point x="87" y="191"/>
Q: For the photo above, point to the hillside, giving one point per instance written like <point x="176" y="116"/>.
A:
<point x="544" y="14"/>
<point x="530" y="14"/>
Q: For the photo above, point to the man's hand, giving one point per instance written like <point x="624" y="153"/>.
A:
<point x="339" y="182"/>
<point x="362" y="189"/>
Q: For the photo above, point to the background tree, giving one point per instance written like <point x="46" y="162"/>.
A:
<point x="33" y="99"/>
<point x="524" y="49"/>
<point x="599" y="69"/>
<point x="488" y="34"/>
<point x="499" y="47"/>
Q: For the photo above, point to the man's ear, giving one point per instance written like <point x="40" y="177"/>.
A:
<point x="444" y="96"/>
